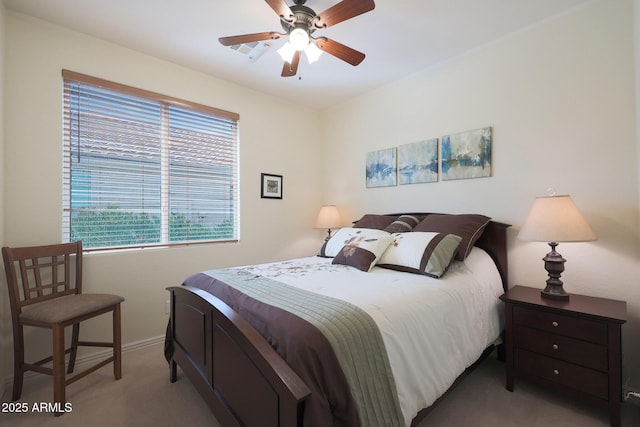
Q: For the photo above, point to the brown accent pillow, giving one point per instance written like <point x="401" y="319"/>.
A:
<point x="403" y="224"/>
<point x="468" y="226"/>
<point x="359" y="258"/>
<point x="373" y="221"/>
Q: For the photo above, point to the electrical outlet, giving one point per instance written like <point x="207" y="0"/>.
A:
<point x="167" y="307"/>
<point x="629" y="394"/>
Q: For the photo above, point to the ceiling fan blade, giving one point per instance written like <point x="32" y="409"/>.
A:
<point x="290" y="70"/>
<point x="282" y="9"/>
<point x="342" y="11"/>
<point x="340" y="51"/>
<point x="248" y="38"/>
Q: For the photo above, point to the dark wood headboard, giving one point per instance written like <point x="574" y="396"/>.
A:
<point x="493" y="241"/>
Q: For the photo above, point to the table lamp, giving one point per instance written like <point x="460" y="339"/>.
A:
<point x="555" y="219"/>
<point x="328" y="218"/>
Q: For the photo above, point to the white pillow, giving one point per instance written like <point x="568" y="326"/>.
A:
<point x="363" y="248"/>
<point x="421" y="252"/>
<point x="343" y="236"/>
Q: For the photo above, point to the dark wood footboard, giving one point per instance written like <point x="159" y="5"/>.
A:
<point x="238" y="374"/>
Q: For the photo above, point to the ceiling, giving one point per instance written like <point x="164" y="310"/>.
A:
<point x="398" y="37"/>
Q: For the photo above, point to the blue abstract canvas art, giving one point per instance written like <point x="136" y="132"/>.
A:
<point x="418" y="162"/>
<point x="381" y="168"/>
<point x="467" y="154"/>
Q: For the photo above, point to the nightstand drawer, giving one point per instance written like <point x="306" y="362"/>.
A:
<point x="584" y="329"/>
<point x="576" y="377"/>
<point x="557" y="346"/>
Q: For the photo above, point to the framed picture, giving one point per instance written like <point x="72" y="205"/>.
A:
<point x="467" y="154"/>
<point x="381" y="168"/>
<point x="271" y="186"/>
<point x="418" y="162"/>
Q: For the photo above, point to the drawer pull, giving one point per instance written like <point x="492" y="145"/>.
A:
<point x="555" y="324"/>
<point x="555" y="346"/>
<point x="556" y="372"/>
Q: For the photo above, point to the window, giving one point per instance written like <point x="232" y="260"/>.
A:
<point x="143" y="169"/>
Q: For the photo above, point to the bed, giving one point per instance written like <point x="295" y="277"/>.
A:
<point x="364" y="333"/>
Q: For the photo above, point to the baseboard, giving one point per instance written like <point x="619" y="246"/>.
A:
<point x="89" y="359"/>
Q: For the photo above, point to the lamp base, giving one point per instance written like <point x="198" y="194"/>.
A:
<point x="554" y="264"/>
<point x="557" y="293"/>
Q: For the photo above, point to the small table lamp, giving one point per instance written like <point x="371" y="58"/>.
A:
<point x="328" y="218"/>
<point x="555" y="219"/>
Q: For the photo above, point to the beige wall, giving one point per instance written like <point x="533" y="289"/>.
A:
<point x="560" y="98"/>
<point x="636" y="44"/>
<point x="5" y="324"/>
<point x="34" y="56"/>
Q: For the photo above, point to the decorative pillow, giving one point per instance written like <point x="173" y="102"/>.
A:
<point x="403" y="224"/>
<point x="363" y="249"/>
<point x="421" y="252"/>
<point x="377" y="222"/>
<point x="467" y="226"/>
<point x="331" y="248"/>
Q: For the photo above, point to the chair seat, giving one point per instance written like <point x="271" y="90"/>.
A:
<point x="60" y="310"/>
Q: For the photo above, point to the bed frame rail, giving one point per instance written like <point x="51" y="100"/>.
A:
<point x="242" y="378"/>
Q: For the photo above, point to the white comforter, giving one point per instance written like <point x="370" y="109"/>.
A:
<point x="433" y="329"/>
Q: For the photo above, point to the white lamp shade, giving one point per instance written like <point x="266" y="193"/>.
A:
<point x="328" y="217"/>
<point x="286" y="52"/>
<point x="313" y="52"/>
<point x="555" y="219"/>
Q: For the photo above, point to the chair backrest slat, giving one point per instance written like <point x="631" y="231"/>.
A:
<point x="25" y="276"/>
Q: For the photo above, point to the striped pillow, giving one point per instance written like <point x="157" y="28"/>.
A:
<point x="421" y="252"/>
<point x="403" y="224"/>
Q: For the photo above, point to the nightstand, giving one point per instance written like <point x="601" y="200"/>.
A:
<point x="572" y="347"/>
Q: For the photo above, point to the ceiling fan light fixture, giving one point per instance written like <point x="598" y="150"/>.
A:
<point x="299" y="38"/>
<point x="286" y="52"/>
<point x="299" y="23"/>
<point x="313" y="52"/>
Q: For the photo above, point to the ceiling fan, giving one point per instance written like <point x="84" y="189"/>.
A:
<point x="299" y="23"/>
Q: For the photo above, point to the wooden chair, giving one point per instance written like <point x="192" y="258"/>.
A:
<point x="45" y="290"/>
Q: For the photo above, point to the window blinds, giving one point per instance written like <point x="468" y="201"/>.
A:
<point x="142" y="169"/>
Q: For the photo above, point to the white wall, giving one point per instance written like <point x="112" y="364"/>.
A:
<point x="35" y="54"/>
<point x="560" y="97"/>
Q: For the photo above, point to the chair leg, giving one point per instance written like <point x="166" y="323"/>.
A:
<point x="18" y="361"/>
<point x="58" y="367"/>
<point x="74" y="347"/>
<point x="117" y="344"/>
<point x="173" y="371"/>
